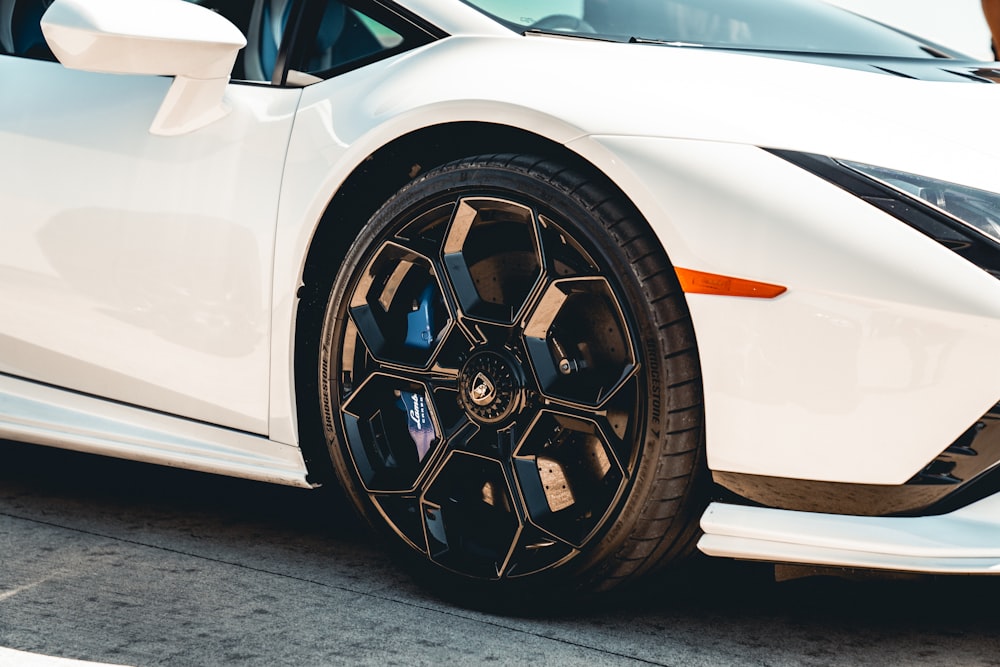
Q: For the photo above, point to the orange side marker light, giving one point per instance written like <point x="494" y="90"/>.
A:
<point x="699" y="282"/>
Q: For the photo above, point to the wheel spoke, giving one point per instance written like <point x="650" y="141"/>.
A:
<point x="563" y="256"/>
<point x="470" y="518"/>
<point x="492" y="258"/>
<point x="405" y="374"/>
<point x="537" y="550"/>
<point x="392" y="431"/>
<point x="474" y="509"/>
<point x="402" y="514"/>
<point x="579" y="341"/>
<point x="569" y="475"/>
<point x="615" y="420"/>
<point x="400" y="309"/>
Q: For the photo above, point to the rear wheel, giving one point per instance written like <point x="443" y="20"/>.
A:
<point x="509" y="379"/>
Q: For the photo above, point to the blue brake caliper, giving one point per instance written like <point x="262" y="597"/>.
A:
<point x="420" y="335"/>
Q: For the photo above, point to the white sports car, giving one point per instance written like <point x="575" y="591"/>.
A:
<point x="557" y="290"/>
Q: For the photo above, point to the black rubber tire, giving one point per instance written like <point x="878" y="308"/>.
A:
<point x="652" y="520"/>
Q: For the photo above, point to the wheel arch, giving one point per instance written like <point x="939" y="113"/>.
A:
<point x="365" y="189"/>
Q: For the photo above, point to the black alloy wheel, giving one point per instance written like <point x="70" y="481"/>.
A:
<point x="509" y="378"/>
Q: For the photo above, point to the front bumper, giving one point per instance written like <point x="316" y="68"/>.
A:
<point x="879" y="356"/>
<point x="965" y="541"/>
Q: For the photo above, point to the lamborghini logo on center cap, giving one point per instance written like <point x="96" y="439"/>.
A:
<point x="483" y="390"/>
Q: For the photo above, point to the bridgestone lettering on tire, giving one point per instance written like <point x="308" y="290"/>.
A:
<point x="510" y="381"/>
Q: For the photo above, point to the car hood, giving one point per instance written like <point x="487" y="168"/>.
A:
<point x="940" y="123"/>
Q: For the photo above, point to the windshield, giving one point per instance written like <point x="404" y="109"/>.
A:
<point x="808" y="26"/>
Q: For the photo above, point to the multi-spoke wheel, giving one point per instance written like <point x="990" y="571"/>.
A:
<point x="509" y="378"/>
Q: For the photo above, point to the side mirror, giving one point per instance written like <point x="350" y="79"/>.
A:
<point x="174" y="38"/>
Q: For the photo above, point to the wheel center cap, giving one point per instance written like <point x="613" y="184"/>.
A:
<point x="489" y="387"/>
<point x="484" y="391"/>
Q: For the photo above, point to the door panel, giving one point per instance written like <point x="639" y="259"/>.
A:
<point x="137" y="267"/>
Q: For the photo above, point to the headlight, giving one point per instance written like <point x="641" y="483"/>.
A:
<point x="963" y="219"/>
<point x="978" y="209"/>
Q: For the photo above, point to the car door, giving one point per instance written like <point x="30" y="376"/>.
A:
<point x="136" y="267"/>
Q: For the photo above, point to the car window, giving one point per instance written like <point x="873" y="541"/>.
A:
<point x="20" y="29"/>
<point x="239" y="13"/>
<point x="344" y="37"/>
<point x="805" y="26"/>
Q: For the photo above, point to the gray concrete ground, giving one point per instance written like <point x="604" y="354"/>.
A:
<point x="123" y="563"/>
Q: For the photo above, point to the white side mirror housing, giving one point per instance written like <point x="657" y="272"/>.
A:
<point x="163" y="37"/>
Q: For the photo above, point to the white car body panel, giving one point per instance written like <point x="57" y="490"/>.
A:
<point x="960" y="542"/>
<point x="157" y="254"/>
<point x="905" y="329"/>
<point x="756" y="418"/>
<point x="746" y="99"/>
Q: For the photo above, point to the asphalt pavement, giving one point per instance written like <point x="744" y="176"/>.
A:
<point x="130" y="564"/>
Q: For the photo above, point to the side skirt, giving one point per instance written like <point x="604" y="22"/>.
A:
<point x="966" y="541"/>
<point x="44" y="415"/>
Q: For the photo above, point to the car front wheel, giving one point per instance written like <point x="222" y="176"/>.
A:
<point x="509" y="379"/>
